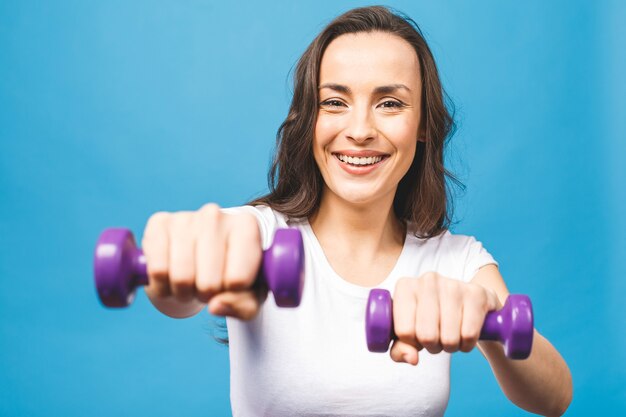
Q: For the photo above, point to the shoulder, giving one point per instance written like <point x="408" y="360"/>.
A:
<point x="445" y="241"/>
<point x="464" y="253"/>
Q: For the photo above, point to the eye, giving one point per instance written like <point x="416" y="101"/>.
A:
<point x="390" y="104"/>
<point x="331" y="103"/>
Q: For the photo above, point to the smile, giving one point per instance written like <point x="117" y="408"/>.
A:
<point x="361" y="164"/>
<point x="359" y="160"/>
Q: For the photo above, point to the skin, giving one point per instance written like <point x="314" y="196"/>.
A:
<point x="356" y="228"/>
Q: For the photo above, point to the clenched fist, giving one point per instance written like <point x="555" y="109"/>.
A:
<point x="205" y="256"/>
<point x="436" y="313"/>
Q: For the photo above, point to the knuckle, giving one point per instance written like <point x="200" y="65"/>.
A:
<point x="246" y="220"/>
<point x="428" y="280"/>
<point x="185" y="286"/>
<point x="476" y="292"/>
<point x="182" y="270"/>
<point x="157" y="273"/>
<point x="210" y="213"/>
<point x="210" y="207"/>
<point x="206" y="291"/>
<point x="450" y="285"/>
<point x="248" y="232"/>
<point x="404" y="284"/>
<point x="158" y="218"/>
<point x="450" y="344"/>
<point x="434" y="348"/>
<point x="182" y="282"/>
<point x="181" y="220"/>
<point x="245" y="228"/>
<point x="469" y="336"/>
<point x="467" y="345"/>
<point x="476" y="297"/>
<point x="237" y="282"/>
<point x="427" y="338"/>
<point x="430" y="276"/>
<point x="404" y="333"/>
<point x="182" y="279"/>
<point x="210" y="285"/>
<point x="156" y="222"/>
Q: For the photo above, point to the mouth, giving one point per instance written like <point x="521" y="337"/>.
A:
<point x="361" y="159"/>
<point x="360" y="163"/>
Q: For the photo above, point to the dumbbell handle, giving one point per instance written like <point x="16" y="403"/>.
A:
<point x="512" y="325"/>
<point x="120" y="267"/>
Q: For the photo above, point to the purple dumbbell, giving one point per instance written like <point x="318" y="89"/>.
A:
<point x="120" y="267"/>
<point x="512" y="325"/>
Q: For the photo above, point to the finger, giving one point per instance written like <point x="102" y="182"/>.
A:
<point x="450" y="302"/>
<point x="244" y="305"/>
<point x="427" y="314"/>
<point x="155" y="245"/>
<point x="210" y="252"/>
<point x="243" y="254"/>
<point x="404" y="311"/>
<point x="404" y="352"/>
<point x="182" y="256"/>
<point x="475" y="308"/>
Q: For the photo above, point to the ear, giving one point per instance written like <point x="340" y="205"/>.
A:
<point x="421" y="135"/>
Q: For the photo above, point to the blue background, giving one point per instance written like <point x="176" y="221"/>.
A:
<point x="113" y="110"/>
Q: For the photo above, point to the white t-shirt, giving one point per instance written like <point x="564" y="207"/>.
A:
<point x="313" y="360"/>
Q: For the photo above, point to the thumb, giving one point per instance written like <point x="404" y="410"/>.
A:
<point x="404" y="352"/>
<point x="243" y="305"/>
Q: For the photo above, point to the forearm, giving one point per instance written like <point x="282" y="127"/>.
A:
<point x="541" y="384"/>
<point x="174" y="308"/>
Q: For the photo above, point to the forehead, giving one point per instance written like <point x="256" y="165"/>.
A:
<point x="366" y="58"/>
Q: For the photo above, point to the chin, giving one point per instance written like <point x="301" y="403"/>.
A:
<point x="359" y="197"/>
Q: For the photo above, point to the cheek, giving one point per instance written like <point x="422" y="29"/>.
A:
<point x="403" y="133"/>
<point x="406" y="126"/>
<point x="326" y="128"/>
<point x="324" y="132"/>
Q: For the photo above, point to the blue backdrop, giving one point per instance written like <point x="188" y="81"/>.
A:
<point x="113" y="110"/>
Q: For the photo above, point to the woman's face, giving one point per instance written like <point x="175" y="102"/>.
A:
<point x="368" y="118"/>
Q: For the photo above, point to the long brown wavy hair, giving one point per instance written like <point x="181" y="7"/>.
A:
<point x="295" y="181"/>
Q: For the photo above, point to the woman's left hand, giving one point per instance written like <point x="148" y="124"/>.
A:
<point x="436" y="313"/>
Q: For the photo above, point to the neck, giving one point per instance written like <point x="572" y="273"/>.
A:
<point x="364" y="229"/>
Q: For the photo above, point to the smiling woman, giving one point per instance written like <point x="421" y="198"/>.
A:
<point x="359" y="171"/>
<point x="361" y="116"/>
<point x="419" y="101"/>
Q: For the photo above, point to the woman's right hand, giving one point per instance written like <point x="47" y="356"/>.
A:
<point x="205" y="256"/>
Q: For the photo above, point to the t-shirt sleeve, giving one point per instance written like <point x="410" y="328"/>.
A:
<point x="476" y="256"/>
<point x="266" y="218"/>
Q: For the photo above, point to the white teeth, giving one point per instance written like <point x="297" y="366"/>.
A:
<point x="359" y="161"/>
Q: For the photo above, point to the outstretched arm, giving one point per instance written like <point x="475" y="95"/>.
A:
<point x="541" y="384"/>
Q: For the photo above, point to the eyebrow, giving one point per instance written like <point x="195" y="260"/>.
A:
<point x="383" y="89"/>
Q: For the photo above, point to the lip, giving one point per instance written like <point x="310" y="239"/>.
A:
<point x="359" y="170"/>
<point x="363" y="153"/>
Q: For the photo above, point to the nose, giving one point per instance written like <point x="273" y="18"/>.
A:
<point x="361" y="125"/>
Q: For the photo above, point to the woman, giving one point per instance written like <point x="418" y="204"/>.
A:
<point x="359" y="170"/>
